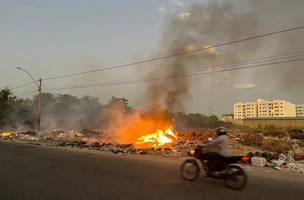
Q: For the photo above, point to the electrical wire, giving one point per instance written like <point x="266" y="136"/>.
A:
<point x="27" y="93"/>
<point x="22" y="85"/>
<point x="245" y="62"/>
<point x="170" y="55"/>
<point x="179" y="75"/>
<point x="177" y="54"/>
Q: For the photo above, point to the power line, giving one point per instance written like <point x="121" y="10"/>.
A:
<point x="245" y="62"/>
<point x="170" y="55"/>
<point x="22" y="85"/>
<point x="27" y="93"/>
<point x="180" y="76"/>
<point x="177" y="54"/>
<point x="199" y="69"/>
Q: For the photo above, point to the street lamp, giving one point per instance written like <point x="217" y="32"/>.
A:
<point x="38" y="84"/>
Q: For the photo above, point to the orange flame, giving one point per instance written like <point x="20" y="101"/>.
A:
<point x="157" y="139"/>
<point x="6" y="134"/>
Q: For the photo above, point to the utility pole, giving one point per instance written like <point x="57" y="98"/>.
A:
<point x="39" y="98"/>
<point x="39" y="104"/>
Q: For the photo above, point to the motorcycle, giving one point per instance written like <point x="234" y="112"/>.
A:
<point x="233" y="175"/>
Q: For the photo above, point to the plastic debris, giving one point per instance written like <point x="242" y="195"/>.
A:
<point x="258" y="161"/>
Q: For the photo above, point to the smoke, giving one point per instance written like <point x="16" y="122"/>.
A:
<point x="198" y="26"/>
<point x="63" y="111"/>
<point x="280" y="14"/>
<point x="201" y="25"/>
<point x="195" y="27"/>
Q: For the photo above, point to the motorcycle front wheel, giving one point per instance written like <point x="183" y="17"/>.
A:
<point x="190" y="169"/>
<point x="235" y="177"/>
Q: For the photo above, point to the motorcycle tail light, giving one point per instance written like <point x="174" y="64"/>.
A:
<point x="245" y="158"/>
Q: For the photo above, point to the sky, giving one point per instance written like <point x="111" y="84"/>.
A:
<point x="57" y="37"/>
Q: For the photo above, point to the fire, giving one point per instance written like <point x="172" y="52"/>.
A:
<point x="142" y="129"/>
<point x="6" y="134"/>
<point x="156" y="139"/>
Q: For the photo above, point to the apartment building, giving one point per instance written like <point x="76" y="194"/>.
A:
<point x="245" y="110"/>
<point x="238" y="110"/>
<point x="300" y="110"/>
<point x="264" y="108"/>
<point x="283" y="108"/>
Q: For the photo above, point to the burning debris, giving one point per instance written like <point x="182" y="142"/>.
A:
<point x="70" y="134"/>
<point x="165" y="142"/>
<point x="158" y="139"/>
<point x="25" y="136"/>
<point x="6" y="135"/>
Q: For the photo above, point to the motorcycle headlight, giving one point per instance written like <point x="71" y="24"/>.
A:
<point x="192" y="152"/>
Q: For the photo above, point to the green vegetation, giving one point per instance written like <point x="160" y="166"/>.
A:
<point x="185" y="121"/>
<point x="67" y="111"/>
<point x="61" y="109"/>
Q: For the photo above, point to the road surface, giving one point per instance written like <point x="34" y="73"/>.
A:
<point x="33" y="172"/>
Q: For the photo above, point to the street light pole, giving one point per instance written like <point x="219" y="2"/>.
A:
<point x="38" y="84"/>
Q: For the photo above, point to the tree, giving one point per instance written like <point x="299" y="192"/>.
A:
<point x="119" y="104"/>
<point x="6" y="106"/>
<point x="194" y="120"/>
<point x="23" y="113"/>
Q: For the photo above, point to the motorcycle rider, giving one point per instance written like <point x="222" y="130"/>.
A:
<point x="215" y="159"/>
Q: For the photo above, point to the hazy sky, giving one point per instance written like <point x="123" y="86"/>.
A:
<point x="55" y="37"/>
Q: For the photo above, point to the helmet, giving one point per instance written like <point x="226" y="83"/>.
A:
<point x="221" y="131"/>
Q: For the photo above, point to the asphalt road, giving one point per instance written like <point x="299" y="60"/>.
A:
<point x="30" y="172"/>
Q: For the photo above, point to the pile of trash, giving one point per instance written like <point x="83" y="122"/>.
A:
<point x="94" y="140"/>
<point x="86" y="140"/>
<point x="283" y="161"/>
<point x="197" y="134"/>
<point x="186" y="141"/>
<point x="114" y="148"/>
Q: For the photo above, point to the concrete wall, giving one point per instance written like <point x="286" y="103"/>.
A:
<point x="284" y="122"/>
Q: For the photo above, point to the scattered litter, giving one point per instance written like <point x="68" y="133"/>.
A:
<point x="94" y="140"/>
<point x="295" y="167"/>
<point x="28" y="138"/>
<point x="258" y="161"/>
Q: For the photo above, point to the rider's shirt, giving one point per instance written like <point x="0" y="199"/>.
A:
<point x="223" y="143"/>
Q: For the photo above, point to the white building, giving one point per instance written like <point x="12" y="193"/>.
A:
<point x="264" y="108"/>
<point x="300" y="110"/>
<point x="283" y="108"/>
<point x="245" y="110"/>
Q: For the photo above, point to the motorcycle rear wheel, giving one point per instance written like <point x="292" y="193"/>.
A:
<point x="235" y="177"/>
<point x="190" y="169"/>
